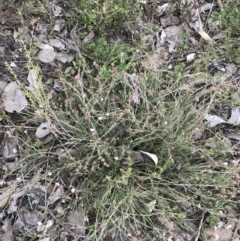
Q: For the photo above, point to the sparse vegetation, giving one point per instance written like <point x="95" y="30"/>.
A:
<point x="109" y="118"/>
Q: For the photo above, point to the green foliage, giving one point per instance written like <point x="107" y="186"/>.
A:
<point x="103" y="52"/>
<point x="99" y="126"/>
<point x="100" y="14"/>
<point x="230" y="18"/>
<point x="232" y="50"/>
<point x="102" y="118"/>
<point x="37" y="143"/>
<point x="33" y="50"/>
<point x="73" y="69"/>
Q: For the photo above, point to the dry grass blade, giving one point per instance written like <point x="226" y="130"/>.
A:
<point x="200" y="227"/>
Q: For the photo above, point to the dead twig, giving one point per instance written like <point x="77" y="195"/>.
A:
<point x="76" y="41"/>
<point x="210" y="12"/>
<point x="200" y="227"/>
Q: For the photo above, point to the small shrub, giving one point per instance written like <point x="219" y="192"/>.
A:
<point x="229" y="18"/>
<point x="102" y="14"/>
<point x="100" y="120"/>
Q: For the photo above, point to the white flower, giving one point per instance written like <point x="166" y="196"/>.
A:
<point x="216" y="237"/>
<point x="220" y="224"/>
<point x="229" y="227"/>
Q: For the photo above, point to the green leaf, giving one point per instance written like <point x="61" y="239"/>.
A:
<point x="49" y="81"/>
<point x="33" y="51"/>
<point x="68" y="69"/>
<point x="73" y="71"/>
